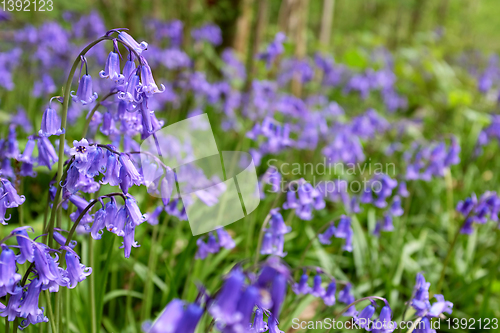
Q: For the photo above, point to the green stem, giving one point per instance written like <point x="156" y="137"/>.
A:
<point x="93" y="313"/>
<point x="446" y="260"/>
<point x="148" y="285"/>
<point x="7" y="324"/>
<point x="49" y="308"/>
<point x="16" y="324"/>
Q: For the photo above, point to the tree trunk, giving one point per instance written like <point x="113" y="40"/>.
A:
<point x="257" y="33"/>
<point x="326" y="23"/>
<point x="243" y="26"/>
<point x="300" y="15"/>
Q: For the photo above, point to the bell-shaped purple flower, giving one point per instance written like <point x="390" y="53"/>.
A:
<point x="169" y="318"/>
<point x="112" y="68"/>
<point x="325" y="237"/>
<point x="29" y="306"/>
<point x="84" y="93"/>
<point x="225" y="239"/>
<point x="396" y="209"/>
<point x="259" y="325"/>
<point x="27" y="156"/>
<point x="11" y="311"/>
<point x="149" y="86"/>
<point x="8" y="275"/>
<point x="76" y="271"/>
<point x="362" y="319"/>
<point x="223" y="308"/>
<point x="440" y="306"/>
<point x="302" y="287"/>
<point x="317" y="290"/>
<point x="278" y="292"/>
<point x="12" y="198"/>
<point x="128" y="239"/>
<point x="189" y="320"/>
<point x="131" y="42"/>
<point x="25" y="245"/>
<point x="51" y="123"/>
<point x="41" y="259"/>
<point x="329" y="297"/>
<point x="133" y="212"/>
<point x="99" y="224"/>
<point x="384" y="323"/>
<point x="61" y="240"/>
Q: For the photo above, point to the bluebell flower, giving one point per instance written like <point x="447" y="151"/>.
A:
<point x="387" y="223"/>
<point x="99" y="224"/>
<point x="128" y="173"/>
<point x="42" y="258"/>
<point x="317" y="290"/>
<point x="420" y="301"/>
<point x="51" y="123"/>
<point x="329" y="296"/>
<point x="46" y="153"/>
<point x="384" y="323"/>
<point x="8" y="275"/>
<point x="27" y="156"/>
<point x="402" y="190"/>
<point x="29" y="307"/>
<point x="440" y="306"/>
<point x="117" y="224"/>
<point x="259" y="325"/>
<point x="190" y="318"/>
<point x="169" y="318"/>
<point x="210" y="33"/>
<point x="273" y="325"/>
<point x="133" y="213"/>
<point x="132" y="93"/>
<point x="129" y="69"/>
<point x="112" y="173"/>
<point x="396" y="209"/>
<point x="149" y="86"/>
<point x="362" y="318"/>
<point x="76" y="271"/>
<point x="112" y="68"/>
<point x="302" y="288"/>
<point x="278" y="292"/>
<point x="424" y="326"/>
<point x="11" y="311"/>
<point x="346" y="297"/>
<point x="128" y="238"/>
<point x="81" y="150"/>
<point x="131" y="42"/>
<point x="12" y="198"/>
<point x="80" y="204"/>
<point x="61" y="240"/>
<point x="25" y="244"/>
<point x="10" y="147"/>
<point x="325" y="237"/>
<point x="274" y="49"/>
<point x="226" y="301"/>
<point x="84" y="93"/>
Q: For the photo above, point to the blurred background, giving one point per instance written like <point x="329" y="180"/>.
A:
<point x="442" y="54"/>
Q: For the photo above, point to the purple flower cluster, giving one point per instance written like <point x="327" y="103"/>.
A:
<point x="304" y="199"/>
<point x="214" y="244"/>
<point x="480" y="210"/>
<point x="426" y="162"/>
<point x="243" y="296"/>
<point x="423" y="307"/>
<point x="342" y="230"/>
<point x="274" y="236"/>
<point x="48" y="275"/>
